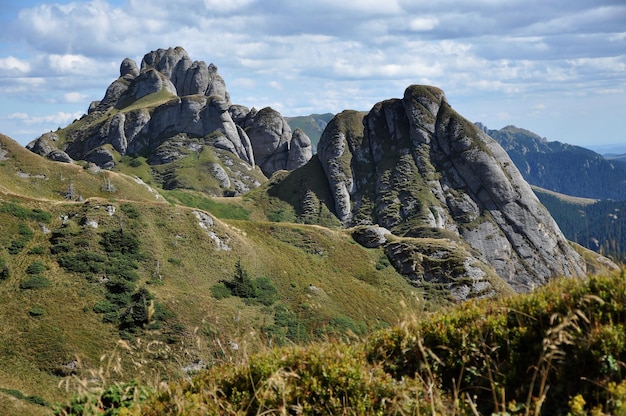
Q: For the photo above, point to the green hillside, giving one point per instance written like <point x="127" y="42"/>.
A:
<point x="557" y="351"/>
<point x="127" y="271"/>
<point x="115" y="292"/>
<point x="597" y="225"/>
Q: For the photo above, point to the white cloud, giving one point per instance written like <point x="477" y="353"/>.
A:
<point x="276" y="85"/>
<point x="423" y="23"/>
<point x="14" y="65"/>
<point x="58" y="119"/>
<point x="18" y="116"/>
<point x="74" y="97"/>
<point x="71" y="64"/>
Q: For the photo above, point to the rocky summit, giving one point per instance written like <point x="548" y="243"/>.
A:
<point x="460" y="213"/>
<point x="170" y="108"/>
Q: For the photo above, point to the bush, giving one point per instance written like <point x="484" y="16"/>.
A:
<point x="121" y="242"/>
<point x="105" y="307"/>
<point x="135" y="163"/>
<point x="36" y="311"/>
<point x="16" y="247"/>
<point x="35" y="282"/>
<point x="110" y="402"/>
<point x="241" y="285"/>
<point x="130" y="211"/>
<point x="25" y="231"/>
<point x="36" y="267"/>
<point x="220" y="291"/>
<point x="83" y="262"/>
<point x="265" y="290"/>
<point x="4" y="270"/>
<point x="41" y="216"/>
<point x="36" y="250"/>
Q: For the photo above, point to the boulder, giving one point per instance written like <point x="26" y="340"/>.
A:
<point x="44" y="144"/>
<point x="102" y="157"/>
<point x="146" y="83"/>
<point x="300" y="150"/>
<point x="129" y="67"/>
<point x="371" y="237"/>
<point x="270" y="135"/>
<point x="60" y="156"/>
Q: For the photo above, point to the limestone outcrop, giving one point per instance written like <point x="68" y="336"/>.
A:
<point x="417" y="168"/>
<point x="150" y="107"/>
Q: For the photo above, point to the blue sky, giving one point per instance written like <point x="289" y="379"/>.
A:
<point x="555" y="67"/>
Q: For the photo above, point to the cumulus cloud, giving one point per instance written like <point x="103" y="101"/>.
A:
<point x="12" y="65"/>
<point x="74" y="97"/>
<point x="60" y="118"/>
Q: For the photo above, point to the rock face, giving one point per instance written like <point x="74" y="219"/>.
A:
<point x="167" y="107"/>
<point x="448" y="191"/>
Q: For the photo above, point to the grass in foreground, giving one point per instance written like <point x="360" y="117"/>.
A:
<point x="557" y="351"/>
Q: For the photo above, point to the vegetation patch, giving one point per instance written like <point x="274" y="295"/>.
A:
<point x="221" y="210"/>
<point x="114" y="265"/>
<point x="4" y="270"/>
<point x="28" y="398"/>
<point x="35" y="282"/>
<point x="557" y="351"/>
<point x="24" y="213"/>
<point x="259" y="290"/>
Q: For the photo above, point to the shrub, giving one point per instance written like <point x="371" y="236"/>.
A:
<point x="135" y="163"/>
<point x="35" y="282"/>
<point x="109" y="402"/>
<point x="16" y="247"/>
<point x="4" y="270"/>
<point x="25" y="231"/>
<point x="265" y="290"/>
<point x="220" y="291"/>
<point x="36" y="311"/>
<point x="36" y="267"/>
<point x="120" y="241"/>
<point x="241" y="285"/>
<point x="36" y="250"/>
<point x="62" y="247"/>
<point x="17" y="211"/>
<point x="41" y="216"/>
<point x="341" y="324"/>
<point x="130" y="211"/>
<point x="105" y="307"/>
<point x="261" y="289"/>
<point x="175" y="262"/>
<point x="83" y="262"/>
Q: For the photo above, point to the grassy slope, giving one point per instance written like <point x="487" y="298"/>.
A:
<point x="328" y="283"/>
<point x="557" y="351"/>
<point x="29" y="175"/>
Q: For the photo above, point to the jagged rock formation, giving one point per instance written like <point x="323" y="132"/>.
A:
<point x="461" y="210"/>
<point x="171" y="107"/>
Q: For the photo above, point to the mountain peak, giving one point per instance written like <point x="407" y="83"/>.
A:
<point x="417" y="168"/>
<point x="170" y="107"/>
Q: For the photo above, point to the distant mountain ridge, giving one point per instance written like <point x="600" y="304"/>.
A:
<point x="313" y="125"/>
<point x="561" y="167"/>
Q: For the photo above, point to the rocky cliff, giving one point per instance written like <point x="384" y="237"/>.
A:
<point x="458" y="209"/>
<point x="171" y="107"/>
